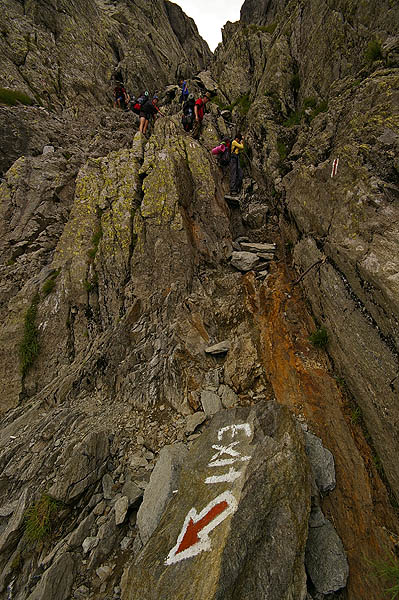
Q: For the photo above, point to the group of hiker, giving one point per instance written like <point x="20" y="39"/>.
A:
<point x="228" y="152"/>
<point x="143" y="106"/>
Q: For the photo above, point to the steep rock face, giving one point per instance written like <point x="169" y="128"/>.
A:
<point x="116" y="253"/>
<point x="64" y="53"/>
<point x="299" y="48"/>
<point x="107" y="246"/>
<point x="346" y="224"/>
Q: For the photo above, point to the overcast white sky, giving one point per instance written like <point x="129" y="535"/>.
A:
<point x="210" y="16"/>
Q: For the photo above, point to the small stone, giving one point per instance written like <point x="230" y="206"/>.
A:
<point x="194" y="421"/>
<point x="108" y="484"/>
<point x="121" y="507"/>
<point x="125" y="543"/>
<point x="94" y="500"/>
<point x="316" y="517"/>
<point x="137" y="461"/>
<point x="244" y="261"/>
<point x="99" y="509"/>
<point x="48" y="149"/>
<point x="255" y="247"/>
<point x="81" y="593"/>
<point x="211" y="402"/>
<point x="228" y="396"/>
<point x="140" y="440"/>
<point x="220" y="348"/>
<point x="104" y="572"/>
<point x="132" y="491"/>
<point x="89" y="543"/>
<point x="141" y="483"/>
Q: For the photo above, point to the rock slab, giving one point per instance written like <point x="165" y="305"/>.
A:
<point x="237" y="526"/>
<point x="326" y="560"/>
<point x="160" y="489"/>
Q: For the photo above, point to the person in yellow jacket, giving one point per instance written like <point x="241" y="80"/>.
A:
<point x="236" y="174"/>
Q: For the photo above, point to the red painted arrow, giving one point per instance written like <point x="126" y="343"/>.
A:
<point x="193" y="528"/>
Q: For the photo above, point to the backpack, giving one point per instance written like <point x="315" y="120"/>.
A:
<point x="224" y="157"/>
<point x="187" y="120"/>
<point x="188" y="115"/>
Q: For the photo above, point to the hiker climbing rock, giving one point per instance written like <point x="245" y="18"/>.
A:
<point x="184" y="94"/>
<point x="236" y="174"/>
<point x="188" y="113"/>
<point x="120" y="95"/>
<point x="199" y="111"/>
<point x="142" y="99"/>
<point x="223" y="152"/>
<point x="148" y="109"/>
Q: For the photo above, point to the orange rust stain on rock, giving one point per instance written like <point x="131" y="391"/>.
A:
<point x="359" y="507"/>
<point x="196" y="320"/>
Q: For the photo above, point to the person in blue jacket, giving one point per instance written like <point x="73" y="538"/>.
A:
<point x="184" y="91"/>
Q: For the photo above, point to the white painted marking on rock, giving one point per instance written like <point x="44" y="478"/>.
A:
<point x="229" y="477"/>
<point x="194" y="535"/>
<point x="228" y="461"/>
<point x="246" y="427"/>
<point x="334" y="167"/>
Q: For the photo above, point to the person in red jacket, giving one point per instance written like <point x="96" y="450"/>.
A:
<point x="199" y="111"/>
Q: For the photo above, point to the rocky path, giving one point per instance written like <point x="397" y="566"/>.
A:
<point x="169" y="306"/>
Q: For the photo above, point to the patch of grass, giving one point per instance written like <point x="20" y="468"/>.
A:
<point x="378" y="464"/>
<point x="13" y="97"/>
<point x="309" y="103"/>
<point x="374" y="51"/>
<point x="218" y="101"/>
<point x="322" y="107"/>
<point x="294" y="119"/>
<point x="49" y="284"/>
<point x="295" y="83"/>
<point x="388" y="571"/>
<point x="40" y="517"/>
<point x="16" y="562"/>
<point x="282" y="149"/>
<point x="319" y="338"/>
<point x="264" y="28"/>
<point x="269" y="28"/>
<point x="89" y="286"/>
<point x="29" y="347"/>
<point x="243" y="104"/>
<point x="356" y="415"/>
<point x="95" y="240"/>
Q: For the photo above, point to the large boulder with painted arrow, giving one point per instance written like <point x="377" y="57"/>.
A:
<point x="236" y="526"/>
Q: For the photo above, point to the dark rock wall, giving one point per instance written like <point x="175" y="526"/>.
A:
<point x="64" y="53"/>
